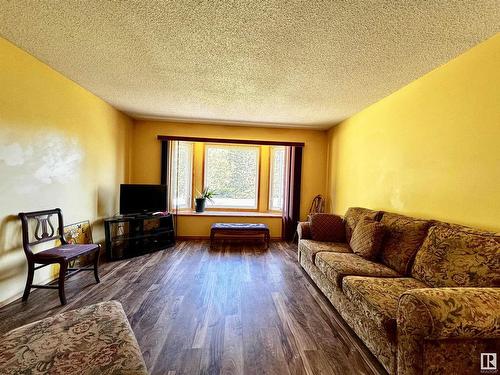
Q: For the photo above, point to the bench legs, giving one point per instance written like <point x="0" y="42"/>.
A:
<point x="29" y="280"/>
<point x="212" y="237"/>
<point x="96" y="264"/>
<point x="235" y="235"/>
<point x="63" y="268"/>
<point x="63" y="274"/>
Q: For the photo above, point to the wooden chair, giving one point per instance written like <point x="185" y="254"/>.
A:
<point x="37" y="228"/>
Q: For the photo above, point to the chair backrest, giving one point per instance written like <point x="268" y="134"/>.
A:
<point x="38" y="228"/>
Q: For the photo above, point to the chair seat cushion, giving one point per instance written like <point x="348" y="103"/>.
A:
<point x="377" y="298"/>
<point x="310" y="248"/>
<point x="68" y="251"/>
<point x="96" y="339"/>
<point x="335" y="266"/>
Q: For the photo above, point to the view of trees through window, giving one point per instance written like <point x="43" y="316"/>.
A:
<point x="277" y="178"/>
<point x="181" y="177"/>
<point x="233" y="173"/>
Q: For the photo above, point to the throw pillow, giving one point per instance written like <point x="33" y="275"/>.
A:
<point x="366" y="240"/>
<point x="327" y="227"/>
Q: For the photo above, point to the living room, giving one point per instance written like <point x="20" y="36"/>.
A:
<point x="326" y="173"/>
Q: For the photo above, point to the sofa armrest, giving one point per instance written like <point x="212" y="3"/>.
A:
<point x="304" y="230"/>
<point x="440" y="314"/>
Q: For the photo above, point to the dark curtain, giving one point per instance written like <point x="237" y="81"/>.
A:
<point x="164" y="163"/>
<point x="291" y="206"/>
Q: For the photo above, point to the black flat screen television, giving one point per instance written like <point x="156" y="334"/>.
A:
<point x="136" y="199"/>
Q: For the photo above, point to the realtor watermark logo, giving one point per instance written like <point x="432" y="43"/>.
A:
<point x="488" y="363"/>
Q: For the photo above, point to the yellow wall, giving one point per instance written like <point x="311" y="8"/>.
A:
<point x="60" y="146"/>
<point x="431" y="149"/>
<point x="146" y="162"/>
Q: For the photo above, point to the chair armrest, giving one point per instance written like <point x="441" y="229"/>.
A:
<point x="443" y="313"/>
<point x="304" y="230"/>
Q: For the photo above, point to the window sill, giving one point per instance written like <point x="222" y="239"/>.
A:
<point x="230" y="214"/>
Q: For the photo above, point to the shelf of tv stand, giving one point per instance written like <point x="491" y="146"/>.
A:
<point x="146" y="234"/>
<point x="129" y="235"/>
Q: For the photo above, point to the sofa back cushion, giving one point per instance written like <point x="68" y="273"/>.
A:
<point x="352" y="217"/>
<point x="367" y="238"/>
<point x="403" y="237"/>
<point x="327" y="227"/>
<point x="457" y="256"/>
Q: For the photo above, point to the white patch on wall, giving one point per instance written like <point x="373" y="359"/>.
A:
<point x="43" y="159"/>
<point x="391" y="183"/>
<point x="59" y="161"/>
<point x="13" y="154"/>
<point x="396" y="200"/>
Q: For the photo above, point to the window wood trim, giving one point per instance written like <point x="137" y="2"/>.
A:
<point x="227" y="213"/>
<point x="226" y="140"/>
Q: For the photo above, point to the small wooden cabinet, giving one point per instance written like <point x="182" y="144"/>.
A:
<point x="132" y="235"/>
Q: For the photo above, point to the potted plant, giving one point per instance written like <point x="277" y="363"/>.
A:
<point x="201" y="198"/>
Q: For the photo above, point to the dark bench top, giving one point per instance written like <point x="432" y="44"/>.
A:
<point x="240" y="226"/>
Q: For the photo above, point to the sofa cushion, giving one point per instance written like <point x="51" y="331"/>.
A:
<point x="377" y="298"/>
<point x="403" y="237"/>
<point x="352" y="217"/>
<point x="327" y="227"/>
<point x="457" y="256"/>
<point x="367" y="238"/>
<point x="95" y="339"/>
<point x="335" y="266"/>
<point x="310" y="248"/>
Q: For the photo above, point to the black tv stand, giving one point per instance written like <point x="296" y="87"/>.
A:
<point x="131" y="235"/>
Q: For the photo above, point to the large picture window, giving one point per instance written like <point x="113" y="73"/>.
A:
<point x="181" y="180"/>
<point x="276" y="178"/>
<point x="233" y="173"/>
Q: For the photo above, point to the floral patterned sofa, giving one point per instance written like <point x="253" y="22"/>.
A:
<point x="428" y="304"/>
<point x="96" y="339"/>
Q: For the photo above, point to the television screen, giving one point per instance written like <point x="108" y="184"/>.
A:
<point x="142" y="198"/>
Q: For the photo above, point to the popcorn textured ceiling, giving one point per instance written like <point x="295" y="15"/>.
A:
<point x="281" y="63"/>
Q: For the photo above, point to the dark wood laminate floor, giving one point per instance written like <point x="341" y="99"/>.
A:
<point x="235" y="310"/>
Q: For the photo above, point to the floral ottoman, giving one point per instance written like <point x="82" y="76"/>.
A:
<point x="96" y="339"/>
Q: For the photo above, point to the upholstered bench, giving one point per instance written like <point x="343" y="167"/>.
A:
<point x="239" y="231"/>
<point x="96" y="339"/>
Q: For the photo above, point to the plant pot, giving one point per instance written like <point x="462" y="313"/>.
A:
<point x="200" y="204"/>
